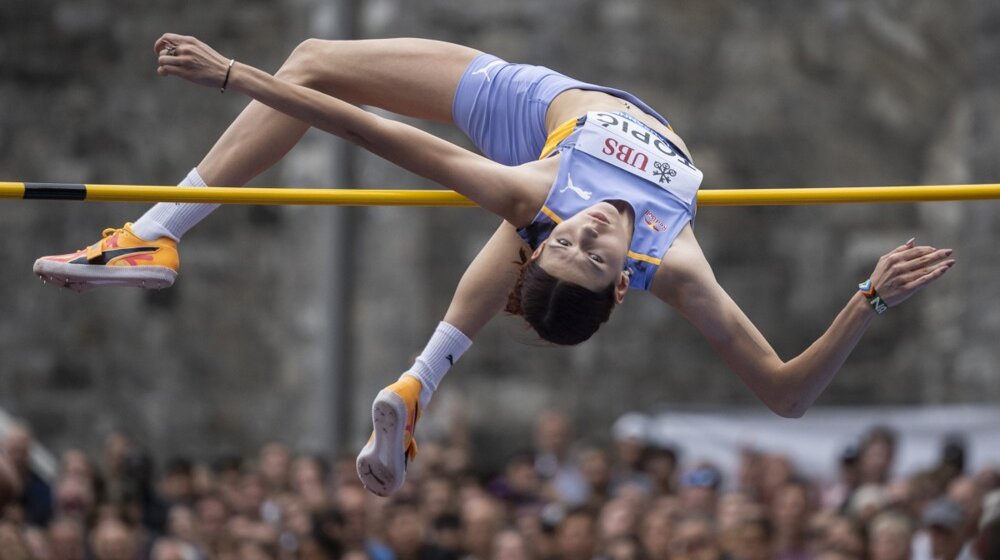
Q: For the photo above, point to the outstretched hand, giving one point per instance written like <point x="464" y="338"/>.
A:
<point x="907" y="269"/>
<point x="187" y="57"/>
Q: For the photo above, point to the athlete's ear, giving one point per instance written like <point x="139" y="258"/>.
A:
<point x="538" y="251"/>
<point x="622" y="285"/>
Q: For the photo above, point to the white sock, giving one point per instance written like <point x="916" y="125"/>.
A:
<point x="173" y="219"/>
<point x="445" y="347"/>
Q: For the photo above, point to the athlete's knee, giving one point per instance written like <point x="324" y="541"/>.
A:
<point x="308" y="64"/>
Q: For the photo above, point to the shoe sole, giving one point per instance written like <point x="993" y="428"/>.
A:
<point x="381" y="463"/>
<point x="81" y="277"/>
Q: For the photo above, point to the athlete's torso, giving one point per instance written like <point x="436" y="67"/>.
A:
<point x="575" y="102"/>
<point x="615" y="156"/>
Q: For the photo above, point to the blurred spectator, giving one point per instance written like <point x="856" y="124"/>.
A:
<point x="941" y="539"/>
<point x="113" y="540"/>
<point x="553" y="438"/>
<point x="631" y="435"/>
<point x="890" y="534"/>
<point x="845" y="534"/>
<point x="177" y="484"/>
<point x="790" y="511"/>
<point x="519" y="485"/>
<point x="700" y="490"/>
<point x="482" y="520"/>
<point x="275" y="462"/>
<point x="36" y="494"/>
<point x="67" y="540"/>
<point x="576" y="535"/>
<point x="509" y="544"/>
<point x="660" y="465"/>
<point x="877" y="453"/>
<point x="694" y="539"/>
<point x="754" y="539"/>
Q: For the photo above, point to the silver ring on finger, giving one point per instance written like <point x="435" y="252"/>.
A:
<point x="171" y="51"/>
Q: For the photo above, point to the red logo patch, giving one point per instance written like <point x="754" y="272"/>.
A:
<point x="653" y="222"/>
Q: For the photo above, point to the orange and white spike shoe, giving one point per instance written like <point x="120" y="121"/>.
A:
<point x="383" y="460"/>
<point x="120" y="258"/>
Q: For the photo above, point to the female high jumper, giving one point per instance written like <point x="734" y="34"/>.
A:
<point x="596" y="191"/>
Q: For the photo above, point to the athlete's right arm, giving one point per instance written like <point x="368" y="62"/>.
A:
<point x="482" y="291"/>
<point x="513" y="193"/>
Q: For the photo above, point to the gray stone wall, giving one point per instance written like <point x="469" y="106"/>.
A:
<point x="766" y="94"/>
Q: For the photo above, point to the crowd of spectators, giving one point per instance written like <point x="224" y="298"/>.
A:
<point x="560" y="500"/>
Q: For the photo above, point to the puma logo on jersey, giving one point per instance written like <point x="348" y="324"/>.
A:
<point x="579" y="192"/>
<point x="485" y="70"/>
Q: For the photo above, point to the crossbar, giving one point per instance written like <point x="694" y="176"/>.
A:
<point x="398" y="197"/>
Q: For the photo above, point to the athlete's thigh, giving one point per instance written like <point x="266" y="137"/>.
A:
<point x="414" y="77"/>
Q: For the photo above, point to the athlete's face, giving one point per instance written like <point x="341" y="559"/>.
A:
<point x="589" y="248"/>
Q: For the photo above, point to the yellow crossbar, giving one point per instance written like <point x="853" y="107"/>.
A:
<point x="367" y="197"/>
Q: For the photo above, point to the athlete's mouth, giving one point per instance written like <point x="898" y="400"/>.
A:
<point x="599" y="216"/>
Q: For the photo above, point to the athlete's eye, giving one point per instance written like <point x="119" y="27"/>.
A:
<point x="596" y="258"/>
<point x="563" y="242"/>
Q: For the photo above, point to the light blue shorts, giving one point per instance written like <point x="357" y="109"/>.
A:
<point x="501" y="106"/>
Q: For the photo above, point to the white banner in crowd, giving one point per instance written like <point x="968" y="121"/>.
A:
<point x="816" y="441"/>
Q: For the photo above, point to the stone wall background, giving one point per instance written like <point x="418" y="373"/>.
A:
<point x="776" y="93"/>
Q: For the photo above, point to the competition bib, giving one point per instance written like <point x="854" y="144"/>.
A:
<point x="631" y="146"/>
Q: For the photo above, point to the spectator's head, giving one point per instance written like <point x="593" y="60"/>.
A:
<point x="944" y="519"/>
<point x="523" y="483"/>
<point x="618" y="519"/>
<point x="596" y="470"/>
<point x="74" y="497"/>
<point x="660" y="464"/>
<point x="181" y="523"/>
<point x="437" y="497"/>
<point x="694" y="539"/>
<point x="775" y="471"/>
<point x="275" y="460"/>
<point x="553" y="433"/>
<point x="113" y="540"/>
<point x="966" y="492"/>
<point x="66" y="539"/>
<point x="575" y="535"/>
<point x="655" y="533"/>
<point x="845" y="534"/>
<point x="877" y="453"/>
<point x="754" y="538"/>
<point x="790" y="508"/>
<point x="868" y="500"/>
<point x="890" y="534"/>
<point x="699" y="490"/>
<point x="211" y="517"/>
<point x="17" y="447"/>
<point x="116" y="447"/>
<point x="404" y="530"/>
<point x="953" y="454"/>
<point x="482" y="517"/>
<point x="308" y="480"/>
<point x="177" y="484"/>
<point x="630" y="433"/>
<point x="624" y="547"/>
<point x="509" y="544"/>
<point x="74" y="462"/>
<point x="172" y="549"/>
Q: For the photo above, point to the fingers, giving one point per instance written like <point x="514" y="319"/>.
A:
<point x="168" y="40"/>
<point x="928" y="275"/>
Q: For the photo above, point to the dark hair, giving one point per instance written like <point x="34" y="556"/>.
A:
<point x="560" y="312"/>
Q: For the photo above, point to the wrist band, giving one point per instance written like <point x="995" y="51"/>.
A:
<point x="867" y="289"/>
<point x="229" y="69"/>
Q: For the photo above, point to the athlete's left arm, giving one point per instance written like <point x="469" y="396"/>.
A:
<point x="686" y="282"/>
